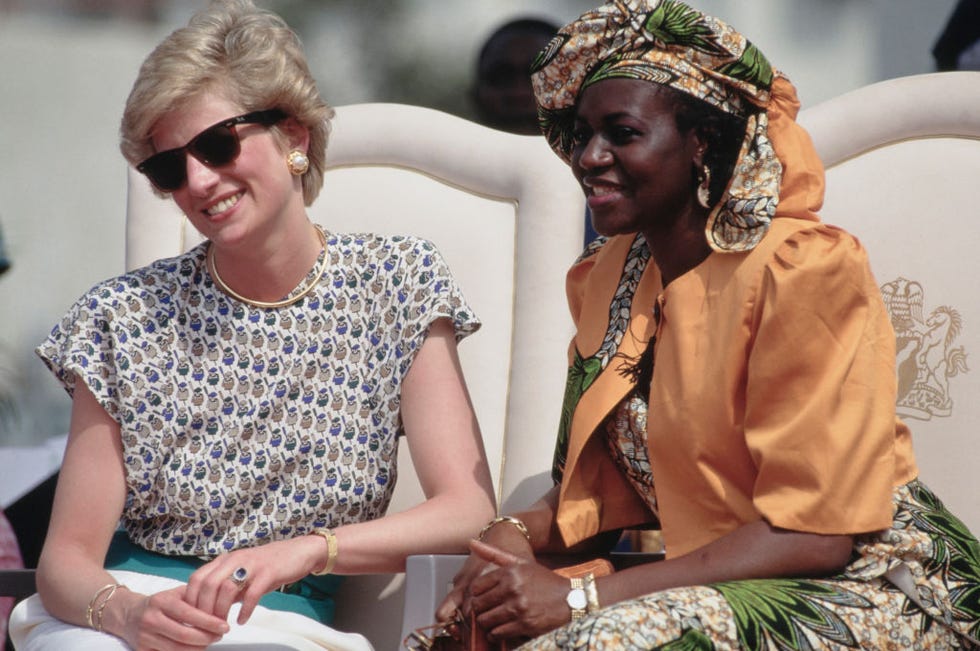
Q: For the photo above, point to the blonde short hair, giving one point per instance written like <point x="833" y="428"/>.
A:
<point x="248" y="53"/>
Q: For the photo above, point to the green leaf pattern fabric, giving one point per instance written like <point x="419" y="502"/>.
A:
<point x="584" y="370"/>
<point x="858" y="609"/>
<point x="674" y="23"/>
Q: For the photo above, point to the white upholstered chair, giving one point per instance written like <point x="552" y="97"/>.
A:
<point x="903" y="174"/>
<point x="508" y="216"/>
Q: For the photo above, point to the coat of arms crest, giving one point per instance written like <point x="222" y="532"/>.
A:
<point x="926" y="358"/>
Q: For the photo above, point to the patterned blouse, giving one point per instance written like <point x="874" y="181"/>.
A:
<point x="626" y="439"/>
<point x="242" y="425"/>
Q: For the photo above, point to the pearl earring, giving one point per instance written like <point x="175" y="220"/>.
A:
<point x="297" y="162"/>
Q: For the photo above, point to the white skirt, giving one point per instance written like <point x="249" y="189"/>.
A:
<point x="32" y="628"/>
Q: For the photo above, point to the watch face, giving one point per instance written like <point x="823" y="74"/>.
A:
<point x="576" y="599"/>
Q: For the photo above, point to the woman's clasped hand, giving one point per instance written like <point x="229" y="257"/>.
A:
<point x="516" y="597"/>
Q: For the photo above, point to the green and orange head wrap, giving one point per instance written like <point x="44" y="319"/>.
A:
<point x="667" y="42"/>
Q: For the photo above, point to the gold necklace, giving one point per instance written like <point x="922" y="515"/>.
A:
<point x="311" y="282"/>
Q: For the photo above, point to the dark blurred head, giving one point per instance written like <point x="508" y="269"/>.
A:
<point x="502" y="90"/>
<point x="4" y="261"/>
<point x="958" y="46"/>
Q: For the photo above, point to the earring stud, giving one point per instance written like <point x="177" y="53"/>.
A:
<point x="297" y="162"/>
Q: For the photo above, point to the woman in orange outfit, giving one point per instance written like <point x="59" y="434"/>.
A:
<point x="731" y="381"/>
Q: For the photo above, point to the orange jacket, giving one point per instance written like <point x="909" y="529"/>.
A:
<point x="773" y="392"/>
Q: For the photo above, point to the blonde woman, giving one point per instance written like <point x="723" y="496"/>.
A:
<point x="237" y="408"/>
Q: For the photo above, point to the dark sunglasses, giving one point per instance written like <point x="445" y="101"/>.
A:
<point x="215" y="146"/>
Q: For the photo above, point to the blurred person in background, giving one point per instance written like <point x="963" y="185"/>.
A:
<point x="958" y="46"/>
<point x="9" y="549"/>
<point x="10" y="559"/>
<point x="4" y="260"/>
<point x="502" y="93"/>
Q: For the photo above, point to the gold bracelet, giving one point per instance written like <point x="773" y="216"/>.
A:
<point x="510" y="520"/>
<point x="91" y="604"/>
<point x="591" y="594"/>
<point x="331" y="539"/>
<point x="102" y="606"/>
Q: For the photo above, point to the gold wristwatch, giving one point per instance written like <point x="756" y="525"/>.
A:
<point x="576" y="598"/>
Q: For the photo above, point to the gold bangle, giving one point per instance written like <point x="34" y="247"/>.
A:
<point x="102" y="606"/>
<point x="331" y="539"/>
<point x="91" y="603"/>
<point x="508" y="519"/>
<point x="591" y="594"/>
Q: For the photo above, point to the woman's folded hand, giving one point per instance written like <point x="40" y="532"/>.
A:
<point x="244" y="575"/>
<point x="518" y="597"/>
<point x="166" y="622"/>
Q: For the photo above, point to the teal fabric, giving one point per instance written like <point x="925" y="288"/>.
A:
<point x="311" y="596"/>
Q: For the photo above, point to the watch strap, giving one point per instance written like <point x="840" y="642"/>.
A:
<point x="577" y="600"/>
<point x="591" y="594"/>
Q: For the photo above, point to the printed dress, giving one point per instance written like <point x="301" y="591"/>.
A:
<point x="859" y="609"/>
<point x="240" y="424"/>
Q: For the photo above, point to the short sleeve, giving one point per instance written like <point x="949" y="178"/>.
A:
<point x="821" y="388"/>
<point x="111" y="333"/>
<point x="426" y="291"/>
<point x="83" y="345"/>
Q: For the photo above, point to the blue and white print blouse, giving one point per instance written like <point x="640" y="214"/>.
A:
<point x="240" y="424"/>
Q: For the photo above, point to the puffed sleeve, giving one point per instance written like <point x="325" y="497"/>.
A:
<point x="821" y="389"/>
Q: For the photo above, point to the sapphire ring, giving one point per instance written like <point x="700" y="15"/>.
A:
<point x="239" y="577"/>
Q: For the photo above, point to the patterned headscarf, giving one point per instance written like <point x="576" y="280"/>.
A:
<point x="669" y="43"/>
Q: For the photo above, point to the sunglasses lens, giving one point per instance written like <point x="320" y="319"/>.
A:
<point x="216" y="146"/>
<point x="165" y="170"/>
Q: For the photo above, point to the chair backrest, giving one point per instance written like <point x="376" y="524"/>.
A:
<point x="903" y="174"/>
<point x="508" y="216"/>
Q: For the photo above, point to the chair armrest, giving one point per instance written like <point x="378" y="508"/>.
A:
<point x="427" y="581"/>
<point x="17" y="583"/>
